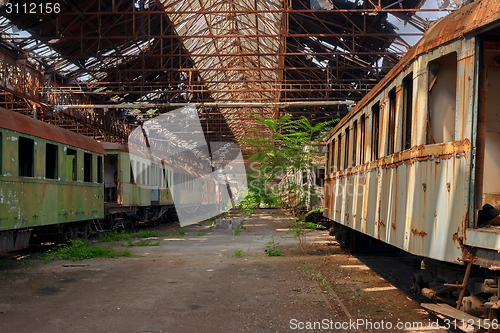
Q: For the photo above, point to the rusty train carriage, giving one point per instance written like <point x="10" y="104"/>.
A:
<point x="136" y="186"/>
<point x="417" y="158"/>
<point x="49" y="177"/>
<point x="56" y="182"/>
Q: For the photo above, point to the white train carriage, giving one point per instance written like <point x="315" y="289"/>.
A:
<point x="419" y="156"/>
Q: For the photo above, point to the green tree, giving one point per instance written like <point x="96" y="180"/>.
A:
<point x="286" y="143"/>
<point x="282" y="145"/>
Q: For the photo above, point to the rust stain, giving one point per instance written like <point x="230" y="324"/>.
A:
<point x="417" y="232"/>
<point x="456" y="237"/>
<point x="393" y="225"/>
<point x="419" y="153"/>
<point x="465" y="224"/>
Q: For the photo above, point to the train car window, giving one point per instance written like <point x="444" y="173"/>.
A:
<point x="99" y="169"/>
<point x="87" y="167"/>
<point x="362" y="122"/>
<point x="375" y="130"/>
<point x="165" y="177"/>
<point x="442" y="96"/>
<point x="26" y="154"/>
<point x="1" y="153"/>
<point x="143" y="170"/>
<point x="137" y="172"/>
<point x="320" y="177"/>
<point x="154" y="174"/>
<point x="161" y="176"/>
<point x="346" y="148"/>
<point x="407" y="111"/>
<point x="339" y="150"/>
<point x="132" y="178"/>
<point x="71" y="164"/>
<point x="331" y="159"/>
<point x="148" y="175"/>
<point x="391" y="133"/>
<point x="354" y="142"/>
<point x="328" y="155"/>
<point x="51" y="161"/>
<point x="332" y="156"/>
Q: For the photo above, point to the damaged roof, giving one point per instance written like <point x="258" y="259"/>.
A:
<point x="110" y="57"/>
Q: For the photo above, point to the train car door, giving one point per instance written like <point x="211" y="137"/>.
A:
<point x="110" y="178"/>
<point x="487" y="179"/>
<point x="154" y="184"/>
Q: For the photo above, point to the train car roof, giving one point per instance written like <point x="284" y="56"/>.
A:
<point x="109" y="146"/>
<point x="464" y="21"/>
<point x="23" y="124"/>
<point x="114" y="146"/>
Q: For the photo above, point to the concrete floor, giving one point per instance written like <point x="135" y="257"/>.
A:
<point x="196" y="283"/>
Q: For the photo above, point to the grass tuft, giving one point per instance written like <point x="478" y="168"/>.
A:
<point x="144" y="242"/>
<point x="114" y="236"/>
<point x="237" y="231"/>
<point x="273" y="249"/>
<point x="147" y="234"/>
<point x="76" y="249"/>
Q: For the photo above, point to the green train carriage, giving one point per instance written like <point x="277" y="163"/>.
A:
<point x="51" y="180"/>
<point x="136" y="187"/>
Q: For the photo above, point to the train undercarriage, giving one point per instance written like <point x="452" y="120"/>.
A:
<point x="467" y="293"/>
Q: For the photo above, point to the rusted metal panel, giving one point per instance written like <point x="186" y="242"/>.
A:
<point x="488" y="238"/>
<point x="135" y="193"/>
<point x="23" y="124"/>
<point x="371" y="197"/>
<point x="465" y="84"/>
<point x="415" y="203"/>
<point x="35" y="201"/>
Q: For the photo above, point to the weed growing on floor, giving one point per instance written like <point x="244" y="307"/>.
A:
<point x="238" y="253"/>
<point x="144" y="242"/>
<point x="300" y="227"/>
<point x="182" y="232"/>
<point x="200" y="234"/>
<point x="273" y="249"/>
<point x="237" y="231"/>
<point x="76" y="249"/>
<point x="147" y="234"/>
<point x="115" y="236"/>
<point x="318" y="277"/>
<point x="210" y="223"/>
